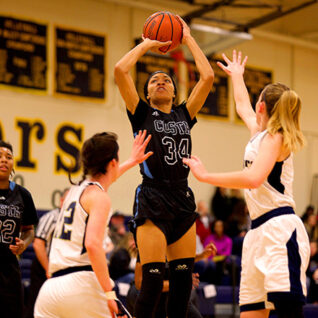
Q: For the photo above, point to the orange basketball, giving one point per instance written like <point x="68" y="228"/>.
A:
<point x="164" y="26"/>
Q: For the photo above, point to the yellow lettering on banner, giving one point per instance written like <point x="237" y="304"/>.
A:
<point x="30" y="129"/>
<point x="69" y="139"/>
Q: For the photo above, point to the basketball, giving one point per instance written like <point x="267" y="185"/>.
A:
<point x="164" y="26"/>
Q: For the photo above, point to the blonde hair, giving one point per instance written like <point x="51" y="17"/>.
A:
<point x="283" y="107"/>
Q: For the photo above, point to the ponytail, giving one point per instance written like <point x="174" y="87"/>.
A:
<point x="284" y="117"/>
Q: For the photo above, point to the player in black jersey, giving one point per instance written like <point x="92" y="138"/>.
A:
<point x="164" y="216"/>
<point x="17" y="219"/>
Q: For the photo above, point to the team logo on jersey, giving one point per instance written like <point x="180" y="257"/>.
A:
<point x="155" y="113"/>
<point x="154" y="271"/>
<point x="181" y="267"/>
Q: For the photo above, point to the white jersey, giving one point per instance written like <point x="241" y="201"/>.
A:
<point x="276" y="191"/>
<point x="68" y="248"/>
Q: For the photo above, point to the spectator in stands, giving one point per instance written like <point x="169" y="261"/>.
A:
<point x="17" y="219"/>
<point x="223" y="244"/>
<point x="204" y="221"/>
<point x="41" y="246"/>
<point x="123" y="259"/>
<point x="312" y="273"/>
<point x="203" y="265"/>
<point x="221" y="204"/>
<point x="117" y="227"/>
<point x="311" y="226"/>
<point x="129" y="244"/>
<point x="309" y="211"/>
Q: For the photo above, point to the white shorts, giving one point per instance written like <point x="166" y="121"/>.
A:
<point x="274" y="262"/>
<point x="77" y="295"/>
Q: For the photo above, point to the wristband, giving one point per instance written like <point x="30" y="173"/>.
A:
<point x="111" y="295"/>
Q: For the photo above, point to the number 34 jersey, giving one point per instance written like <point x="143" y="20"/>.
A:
<point x="170" y="142"/>
<point x="68" y="249"/>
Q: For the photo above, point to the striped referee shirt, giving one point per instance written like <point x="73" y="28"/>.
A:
<point x="46" y="226"/>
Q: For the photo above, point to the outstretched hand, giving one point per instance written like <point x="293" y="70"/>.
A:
<point x="139" y="147"/>
<point x="196" y="166"/>
<point x="236" y="66"/>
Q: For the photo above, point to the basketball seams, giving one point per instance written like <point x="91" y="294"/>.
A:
<point x="150" y="19"/>
<point x="163" y="16"/>
<point x="171" y="31"/>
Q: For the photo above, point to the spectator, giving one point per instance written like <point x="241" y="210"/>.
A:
<point x="117" y="227"/>
<point x="309" y="211"/>
<point x="204" y="221"/>
<point x="221" y="204"/>
<point x="311" y="226"/>
<point x="223" y="244"/>
<point x="312" y="273"/>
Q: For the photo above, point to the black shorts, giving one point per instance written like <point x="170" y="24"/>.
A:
<point x="11" y="292"/>
<point x="170" y="206"/>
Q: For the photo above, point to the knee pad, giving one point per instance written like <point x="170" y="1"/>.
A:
<point x="180" y="285"/>
<point x="151" y="287"/>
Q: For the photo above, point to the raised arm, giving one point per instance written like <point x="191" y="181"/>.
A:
<point x="123" y="78"/>
<point x="235" y="69"/>
<point x="137" y="153"/>
<point x="204" y="85"/>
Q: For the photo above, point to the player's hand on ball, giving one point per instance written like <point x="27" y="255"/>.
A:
<point x="186" y="33"/>
<point x="196" y="166"/>
<point x="155" y="45"/>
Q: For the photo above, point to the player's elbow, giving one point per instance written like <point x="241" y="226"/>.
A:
<point x="91" y="245"/>
<point x="119" y="70"/>
<point x="254" y="182"/>
<point x="208" y="76"/>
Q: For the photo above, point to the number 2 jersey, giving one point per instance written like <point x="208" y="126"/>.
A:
<point x="16" y="209"/>
<point x="67" y="248"/>
<point x="170" y="141"/>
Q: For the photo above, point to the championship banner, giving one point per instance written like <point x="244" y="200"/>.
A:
<point x="23" y="54"/>
<point x="80" y="64"/>
<point x="217" y="103"/>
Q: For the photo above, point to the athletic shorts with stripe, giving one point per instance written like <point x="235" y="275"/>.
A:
<point x="274" y="262"/>
<point x="169" y="206"/>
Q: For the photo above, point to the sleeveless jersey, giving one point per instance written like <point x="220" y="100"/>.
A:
<point x="276" y="191"/>
<point x="170" y="141"/>
<point x="67" y="248"/>
<point x="16" y="209"/>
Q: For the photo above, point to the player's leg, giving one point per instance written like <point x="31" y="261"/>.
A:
<point x="181" y="261"/>
<point x="152" y="246"/>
